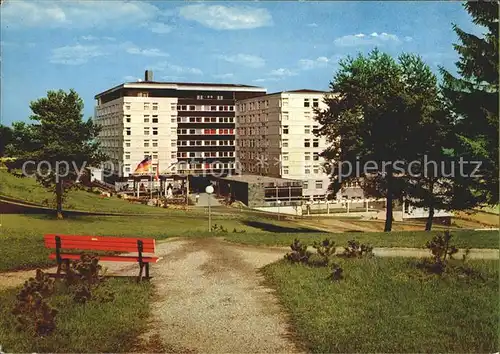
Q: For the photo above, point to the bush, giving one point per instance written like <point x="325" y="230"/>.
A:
<point x="337" y="273"/>
<point x="326" y="250"/>
<point x="356" y="250"/>
<point x="442" y="251"/>
<point x="299" y="253"/>
<point x="31" y="309"/>
<point x="83" y="277"/>
<point x="218" y="228"/>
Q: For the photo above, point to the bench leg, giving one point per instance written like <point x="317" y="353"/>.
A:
<point x="147" y="270"/>
<point x="141" y="267"/>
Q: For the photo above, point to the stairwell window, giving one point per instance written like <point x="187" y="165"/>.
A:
<point x="155" y="131"/>
<point x="285" y="129"/>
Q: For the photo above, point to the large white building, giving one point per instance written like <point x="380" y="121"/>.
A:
<point x="275" y="137"/>
<point x="188" y="126"/>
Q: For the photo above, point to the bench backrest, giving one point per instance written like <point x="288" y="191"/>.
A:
<point x="100" y="243"/>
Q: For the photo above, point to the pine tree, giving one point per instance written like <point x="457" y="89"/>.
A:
<point x="472" y="101"/>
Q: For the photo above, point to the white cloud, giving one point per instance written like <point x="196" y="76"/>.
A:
<point x="79" y="54"/>
<point x="223" y="76"/>
<point x="249" y="60"/>
<point x="131" y="78"/>
<point x="222" y="17"/>
<point x="160" y="28"/>
<point x="77" y="14"/>
<point x="282" y="72"/>
<point x="308" y="64"/>
<point x="175" y="69"/>
<point x="312" y="24"/>
<point x="267" y="79"/>
<point x="361" y="39"/>
<point x="75" y="55"/>
<point x="148" y="52"/>
<point x="94" y="38"/>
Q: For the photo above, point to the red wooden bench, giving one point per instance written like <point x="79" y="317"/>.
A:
<point x="103" y="243"/>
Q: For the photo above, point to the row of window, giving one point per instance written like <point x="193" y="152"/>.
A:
<point x="205" y="154"/>
<point x="147" y="106"/>
<point x="307" y="129"/>
<point x="205" y="120"/>
<point x="307" y="170"/>
<point x="205" y="108"/>
<point x="205" y="131"/>
<point x="205" y="142"/>
<point x="318" y="184"/>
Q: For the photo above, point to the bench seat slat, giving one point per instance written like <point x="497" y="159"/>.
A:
<point x="145" y="259"/>
<point x="99" y="243"/>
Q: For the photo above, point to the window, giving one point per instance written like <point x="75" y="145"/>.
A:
<point x="285" y="156"/>
<point x="307" y="170"/>
<point x="155" y="143"/>
<point x="146" y="143"/>
<point x="142" y="94"/>
<point x="173" y="155"/>
<point x="155" y="155"/>
<point x="220" y="97"/>
<point x="128" y="120"/>
<point x="284" y="102"/>
<point x="155" y="119"/>
<point x="285" y="116"/>
<point x="319" y="184"/>
<point x="315" y="129"/>
<point x="285" y="170"/>
<point x="155" y="131"/>
<point x="285" y="143"/>
<point x="127" y="168"/>
<point x="316" y="156"/>
<point x="315" y="102"/>
<point x="192" y="108"/>
<point x="305" y="185"/>
<point x="173" y="119"/>
<point x="213" y="108"/>
<point x="285" y="129"/>
<point x="173" y="143"/>
<point x="146" y="106"/>
<point x="127" y="156"/>
<point x="307" y="156"/>
<point x="199" y="97"/>
<point x="127" y="143"/>
<point x="146" y="118"/>
<point x="306" y="102"/>
<point x="146" y="131"/>
<point x="127" y="131"/>
<point x="173" y="106"/>
<point x="315" y="169"/>
<point x="127" y="107"/>
<point x="146" y="154"/>
<point x="315" y="143"/>
<point x="307" y="129"/>
<point x="155" y="106"/>
<point x="307" y="143"/>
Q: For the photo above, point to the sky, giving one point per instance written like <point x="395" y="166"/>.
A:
<point x="92" y="46"/>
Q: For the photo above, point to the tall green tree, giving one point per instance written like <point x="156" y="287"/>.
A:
<point x="59" y="145"/>
<point x="472" y="100"/>
<point x="5" y="138"/>
<point x="377" y="104"/>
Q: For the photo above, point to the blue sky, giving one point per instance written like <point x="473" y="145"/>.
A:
<point x="92" y="46"/>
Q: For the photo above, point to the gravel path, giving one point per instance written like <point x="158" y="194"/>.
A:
<point x="210" y="299"/>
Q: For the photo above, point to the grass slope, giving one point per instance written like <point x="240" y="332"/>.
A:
<point x="91" y="328"/>
<point x="461" y="239"/>
<point x="384" y="305"/>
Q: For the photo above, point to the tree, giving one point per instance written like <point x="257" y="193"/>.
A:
<point x="59" y="145"/>
<point x="5" y="138"/>
<point x="472" y="100"/>
<point x="377" y="104"/>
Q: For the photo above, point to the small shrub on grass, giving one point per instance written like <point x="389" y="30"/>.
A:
<point x="355" y="249"/>
<point x="83" y="277"/>
<point x="337" y="273"/>
<point x="299" y="253"/>
<point x="219" y="228"/>
<point x="31" y="309"/>
<point x="326" y="250"/>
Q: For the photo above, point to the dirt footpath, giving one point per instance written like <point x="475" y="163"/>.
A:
<point x="210" y="299"/>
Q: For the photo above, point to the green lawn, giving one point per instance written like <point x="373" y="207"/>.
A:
<point x="90" y="328"/>
<point x="461" y="239"/>
<point x="384" y="305"/>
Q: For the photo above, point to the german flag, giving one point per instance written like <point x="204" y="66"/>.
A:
<point x="144" y="166"/>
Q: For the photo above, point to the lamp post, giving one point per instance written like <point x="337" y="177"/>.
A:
<point x="209" y="190"/>
<point x="278" y="202"/>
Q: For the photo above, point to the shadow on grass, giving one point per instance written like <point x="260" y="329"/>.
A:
<point x="279" y="229"/>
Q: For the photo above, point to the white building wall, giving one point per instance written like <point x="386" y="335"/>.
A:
<point x="275" y="137"/>
<point x="133" y="127"/>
